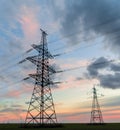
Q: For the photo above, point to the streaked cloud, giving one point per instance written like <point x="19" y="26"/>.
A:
<point x="84" y="20"/>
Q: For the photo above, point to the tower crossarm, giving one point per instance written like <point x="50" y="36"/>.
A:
<point x="51" y="69"/>
<point x="36" y="59"/>
<point x="39" y="48"/>
<point x="36" y="75"/>
<point x="33" y="59"/>
<point x="48" y="54"/>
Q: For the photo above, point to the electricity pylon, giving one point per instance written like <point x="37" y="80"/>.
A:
<point x="41" y="108"/>
<point x="96" y="114"/>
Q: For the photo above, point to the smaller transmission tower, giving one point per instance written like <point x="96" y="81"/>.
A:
<point x="96" y="114"/>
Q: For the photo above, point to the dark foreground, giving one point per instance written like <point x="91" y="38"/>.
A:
<point x="110" y="126"/>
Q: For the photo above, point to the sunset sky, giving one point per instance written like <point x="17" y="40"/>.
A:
<point x="86" y="32"/>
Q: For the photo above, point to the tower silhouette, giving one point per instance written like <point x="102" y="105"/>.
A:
<point x="96" y="114"/>
<point x="41" y="107"/>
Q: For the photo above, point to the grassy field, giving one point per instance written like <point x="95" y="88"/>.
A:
<point x="111" y="126"/>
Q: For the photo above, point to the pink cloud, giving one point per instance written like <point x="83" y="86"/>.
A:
<point x="74" y="116"/>
<point x="13" y="93"/>
<point x="29" y="23"/>
<point x="18" y="117"/>
<point x="83" y="116"/>
<point x="24" y="89"/>
<point x="64" y="115"/>
<point x="72" y="63"/>
<point x="112" y="118"/>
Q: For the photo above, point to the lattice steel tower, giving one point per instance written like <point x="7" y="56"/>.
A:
<point x="96" y="114"/>
<point x="41" y="107"/>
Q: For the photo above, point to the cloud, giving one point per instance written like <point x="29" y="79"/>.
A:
<point x="12" y="110"/>
<point x="113" y="101"/>
<point x="99" y="63"/>
<point x="19" y="27"/>
<point x="115" y="67"/>
<point x="110" y="80"/>
<point x="19" y="24"/>
<point x="88" y="18"/>
<point x="29" y="22"/>
<point x="79" y="78"/>
<point x="15" y="114"/>
<point x="14" y="46"/>
<point x="16" y="105"/>
<point x="73" y="116"/>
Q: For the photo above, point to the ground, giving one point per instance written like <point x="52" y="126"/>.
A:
<point x="109" y="126"/>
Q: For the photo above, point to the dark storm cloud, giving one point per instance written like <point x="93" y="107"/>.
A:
<point x="100" y="17"/>
<point x="115" y="67"/>
<point x="100" y="63"/>
<point x="111" y="80"/>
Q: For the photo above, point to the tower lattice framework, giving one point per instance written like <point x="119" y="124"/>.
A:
<point x="96" y="114"/>
<point x="41" y="108"/>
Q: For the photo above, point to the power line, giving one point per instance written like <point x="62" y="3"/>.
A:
<point x="100" y="24"/>
<point x="54" y="55"/>
<point x="13" y="59"/>
<point x="61" y="48"/>
<point x="79" y="67"/>
<point x="11" y="85"/>
<point x="64" y="46"/>
<point x="62" y="71"/>
<point x="117" y="30"/>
